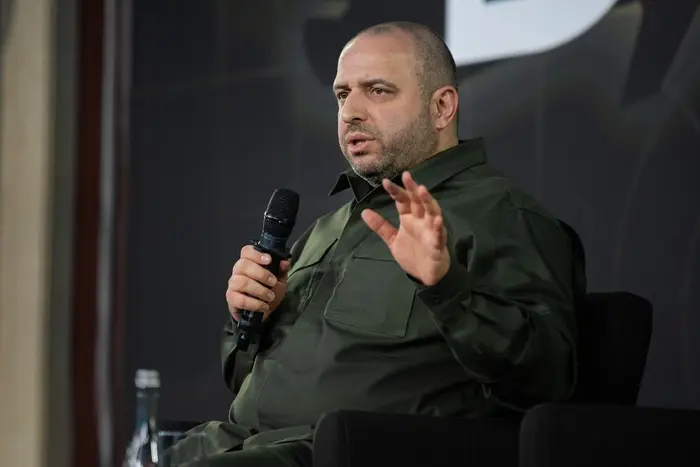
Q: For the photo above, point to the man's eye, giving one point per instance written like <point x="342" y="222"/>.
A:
<point x="378" y="91"/>
<point x="342" y="95"/>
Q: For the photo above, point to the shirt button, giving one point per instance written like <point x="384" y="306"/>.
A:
<point x="435" y="298"/>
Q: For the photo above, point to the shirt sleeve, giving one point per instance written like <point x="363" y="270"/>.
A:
<point x="506" y="305"/>
<point x="236" y="365"/>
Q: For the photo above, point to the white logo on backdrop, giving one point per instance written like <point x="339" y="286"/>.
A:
<point x="479" y="31"/>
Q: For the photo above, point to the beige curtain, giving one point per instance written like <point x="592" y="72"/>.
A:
<point x="36" y="179"/>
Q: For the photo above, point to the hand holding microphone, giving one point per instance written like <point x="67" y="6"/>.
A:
<point x="258" y="282"/>
<point x="252" y="286"/>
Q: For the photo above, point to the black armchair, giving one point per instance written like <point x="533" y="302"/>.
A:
<point x="576" y="435"/>
<point x="602" y="426"/>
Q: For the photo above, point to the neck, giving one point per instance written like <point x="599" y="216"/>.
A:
<point x="447" y="141"/>
<point x="444" y="143"/>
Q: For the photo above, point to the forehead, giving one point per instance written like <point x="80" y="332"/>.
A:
<point x="384" y="56"/>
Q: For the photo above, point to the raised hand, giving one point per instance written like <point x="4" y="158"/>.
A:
<point x="419" y="244"/>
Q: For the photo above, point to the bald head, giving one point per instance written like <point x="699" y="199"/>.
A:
<point x="435" y="64"/>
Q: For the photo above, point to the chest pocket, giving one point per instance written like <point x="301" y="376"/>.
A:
<point x="313" y="253"/>
<point x="305" y="273"/>
<point x="373" y="294"/>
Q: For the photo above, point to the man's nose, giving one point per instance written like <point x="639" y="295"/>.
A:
<point x="353" y="109"/>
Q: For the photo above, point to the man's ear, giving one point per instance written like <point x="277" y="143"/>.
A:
<point x="444" y="105"/>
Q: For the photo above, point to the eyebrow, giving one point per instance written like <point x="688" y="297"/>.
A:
<point x="366" y="84"/>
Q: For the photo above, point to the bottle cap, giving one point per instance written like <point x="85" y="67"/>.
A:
<point x="147" y="379"/>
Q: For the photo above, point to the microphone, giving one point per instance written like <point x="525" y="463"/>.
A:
<point x="278" y="223"/>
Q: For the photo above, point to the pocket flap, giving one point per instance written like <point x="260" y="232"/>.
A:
<point x="313" y="252"/>
<point x="373" y="249"/>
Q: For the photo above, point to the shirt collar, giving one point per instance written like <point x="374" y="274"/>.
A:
<point x="432" y="172"/>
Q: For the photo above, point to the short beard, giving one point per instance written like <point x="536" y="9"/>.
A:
<point x="407" y="148"/>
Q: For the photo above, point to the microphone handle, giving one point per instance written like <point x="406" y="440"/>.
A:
<point x="250" y="322"/>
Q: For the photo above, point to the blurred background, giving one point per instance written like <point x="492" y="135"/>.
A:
<point x="142" y="139"/>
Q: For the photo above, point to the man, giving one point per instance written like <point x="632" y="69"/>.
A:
<point x="439" y="289"/>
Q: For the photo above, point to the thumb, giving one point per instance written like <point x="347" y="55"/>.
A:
<point x="285" y="266"/>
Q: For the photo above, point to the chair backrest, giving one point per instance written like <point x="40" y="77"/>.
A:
<point x="614" y="331"/>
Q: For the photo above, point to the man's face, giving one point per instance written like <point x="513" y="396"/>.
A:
<point x="384" y="121"/>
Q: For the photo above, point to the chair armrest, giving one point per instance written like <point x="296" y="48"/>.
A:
<point x="364" y="439"/>
<point x="558" y="435"/>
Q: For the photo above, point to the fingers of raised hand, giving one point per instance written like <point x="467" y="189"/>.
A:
<point x="399" y="195"/>
<point x="412" y="190"/>
<point x="378" y="224"/>
<point x="412" y="199"/>
<point x="431" y="206"/>
<point x="422" y="201"/>
<point x="437" y="233"/>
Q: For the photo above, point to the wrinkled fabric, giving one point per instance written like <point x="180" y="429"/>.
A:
<point x="223" y="444"/>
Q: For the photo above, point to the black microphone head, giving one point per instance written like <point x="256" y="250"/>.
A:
<point x="281" y="213"/>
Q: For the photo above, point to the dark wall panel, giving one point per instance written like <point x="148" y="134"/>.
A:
<point x="232" y="99"/>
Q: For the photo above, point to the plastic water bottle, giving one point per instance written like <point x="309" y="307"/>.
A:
<point x="144" y="449"/>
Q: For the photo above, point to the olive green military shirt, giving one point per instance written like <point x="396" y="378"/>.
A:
<point x="356" y="332"/>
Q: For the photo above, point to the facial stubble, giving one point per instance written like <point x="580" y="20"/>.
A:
<point x="401" y="151"/>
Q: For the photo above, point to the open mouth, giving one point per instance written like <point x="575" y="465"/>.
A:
<point x="358" y="143"/>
